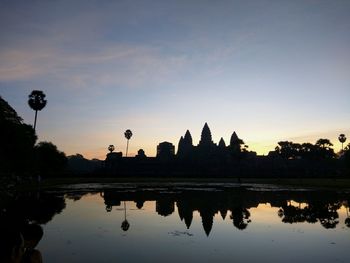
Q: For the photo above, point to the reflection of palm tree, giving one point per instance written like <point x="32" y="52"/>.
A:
<point x="111" y="148"/>
<point x="342" y="139"/>
<point x="125" y="224"/>
<point x="108" y="208"/>
<point x="37" y="102"/>
<point x="128" y="135"/>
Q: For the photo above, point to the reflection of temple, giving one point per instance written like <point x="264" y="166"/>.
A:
<point x="236" y="202"/>
<point x="165" y="206"/>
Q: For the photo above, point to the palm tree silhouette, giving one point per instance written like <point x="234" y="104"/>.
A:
<point x="37" y="102"/>
<point x="125" y="224"/>
<point x="342" y="139"/>
<point x="111" y="148"/>
<point x="128" y="135"/>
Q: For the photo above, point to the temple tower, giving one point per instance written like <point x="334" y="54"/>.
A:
<point x="206" y="140"/>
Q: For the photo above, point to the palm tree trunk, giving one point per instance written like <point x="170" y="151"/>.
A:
<point x="127" y="146"/>
<point x="36" y="113"/>
<point x="124" y="211"/>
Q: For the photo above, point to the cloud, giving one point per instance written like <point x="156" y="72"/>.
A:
<point x="118" y="65"/>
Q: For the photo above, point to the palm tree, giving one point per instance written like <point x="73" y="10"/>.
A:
<point x="37" y="102"/>
<point x="111" y="148"/>
<point x="128" y="135"/>
<point x="342" y="139"/>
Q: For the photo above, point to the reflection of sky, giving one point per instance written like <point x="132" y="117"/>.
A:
<point x="271" y="70"/>
<point x="84" y="231"/>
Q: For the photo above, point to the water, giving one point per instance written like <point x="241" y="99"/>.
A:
<point x="188" y="223"/>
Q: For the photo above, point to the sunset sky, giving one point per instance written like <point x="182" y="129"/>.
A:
<point x="269" y="70"/>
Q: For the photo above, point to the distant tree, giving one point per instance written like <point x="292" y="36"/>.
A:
<point x="141" y="154"/>
<point x="324" y="143"/>
<point x="37" y="102"/>
<point x="49" y="160"/>
<point x="342" y="139"/>
<point x="308" y="150"/>
<point x="288" y="150"/>
<point x="347" y="155"/>
<point x="111" y="148"/>
<point x="323" y="148"/>
<point x="128" y="135"/>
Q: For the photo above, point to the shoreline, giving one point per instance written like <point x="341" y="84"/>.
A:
<point x="297" y="182"/>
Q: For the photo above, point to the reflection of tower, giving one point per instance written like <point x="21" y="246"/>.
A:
<point x="165" y="206"/>
<point x="125" y="224"/>
<point x="185" y="212"/>
<point x="139" y="203"/>
<point x="223" y="213"/>
<point x="207" y="220"/>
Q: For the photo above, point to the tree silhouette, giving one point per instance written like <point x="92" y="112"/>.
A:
<point x="111" y="148"/>
<point x="49" y="159"/>
<point x="342" y="139"/>
<point x="37" y="102"/>
<point x="17" y="141"/>
<point x="128" y="135"/>
<point x="324" y="148"/>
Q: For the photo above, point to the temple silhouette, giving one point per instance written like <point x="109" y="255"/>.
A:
<point x="210" y="159"/>
<point x="205" y="159"/>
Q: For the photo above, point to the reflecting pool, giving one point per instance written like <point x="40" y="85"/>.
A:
<point x="187" y="222"/>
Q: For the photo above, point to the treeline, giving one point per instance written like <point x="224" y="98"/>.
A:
<point x="322" y="149"/>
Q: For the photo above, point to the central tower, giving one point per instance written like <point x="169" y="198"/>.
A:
<point x="206" y="140"/>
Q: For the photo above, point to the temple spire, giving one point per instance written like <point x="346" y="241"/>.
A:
<point x="188" y="138"/>
<point x="222" y="143"/>
<point x="206" y="136"/>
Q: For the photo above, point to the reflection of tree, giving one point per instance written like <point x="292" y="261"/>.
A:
<point x="240" y="217"/>
<point x="291" y="214"/>
<point x="165" y="206"/>
<point x="325" y="213"/>
<point x="125" y="224"/>
<point x="35" y="207"/>
<point x="347" y="220"/>
<point x="328" y="215"/>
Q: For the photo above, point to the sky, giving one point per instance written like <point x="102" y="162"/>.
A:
<point x="271" y="70"/>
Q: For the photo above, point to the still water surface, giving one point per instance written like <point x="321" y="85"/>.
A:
<point x="189" y="223"/>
